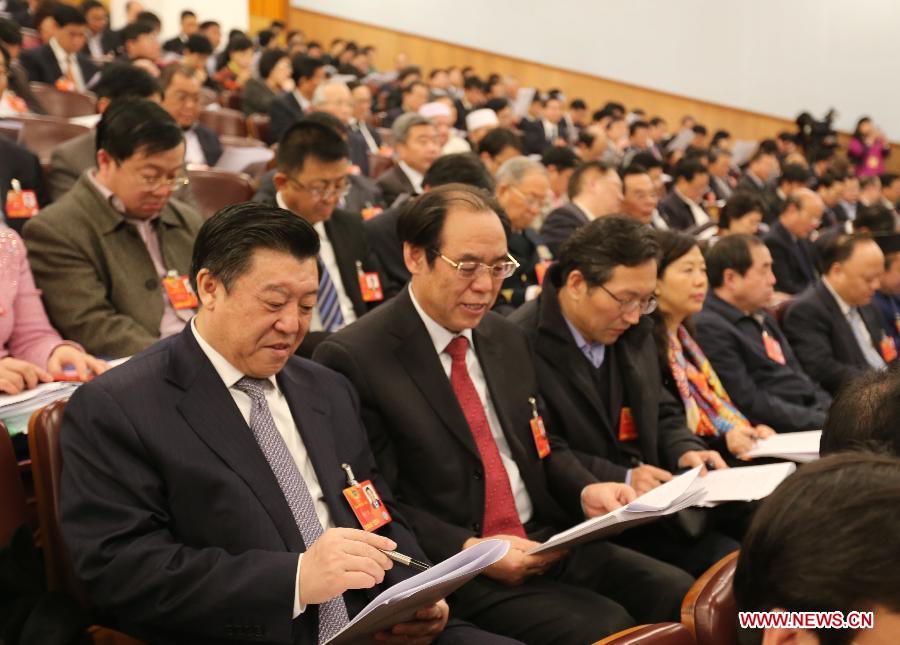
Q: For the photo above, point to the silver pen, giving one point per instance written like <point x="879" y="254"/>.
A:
<point x="405" y="560"/>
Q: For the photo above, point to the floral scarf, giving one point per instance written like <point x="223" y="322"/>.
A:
<point x="709" y="410"/>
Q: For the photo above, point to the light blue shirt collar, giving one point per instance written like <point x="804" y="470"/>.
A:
<point x="594" y="352"/>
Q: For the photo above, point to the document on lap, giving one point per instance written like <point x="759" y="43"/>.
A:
<point x="400" y="603"/>
<point x="744" y="484"/>
<point x="801" y="447"/>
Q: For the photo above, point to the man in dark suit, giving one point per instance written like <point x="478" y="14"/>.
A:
<point x="448" y="392"/>
<point x="224" y="465"/>
<point x="291" y="106"/>
<point x="551" y="130"/>
<point x="761" y="168"/>
<point x="381" y="230"/>
<point x="181" y="99"/>
<point x="189" y="26"/>
<point x="720" y="181"/>
<point x="745" y="345"/>
<point x="682" y="207"/>
<point x="788" y="241"/>
<point x="412" y="97"/>
<point x="416" y="145"/>
<point x="311" y="178"/>
<point x="793" y="177"/>
<point x="61" y="58"/>
<point x="102" y="42"/>
<point x="21" y="165"/>
<point x="333" y="97"/>
<point x="595" y="190"/>
<point x="832" y="326"/>
<point x="362" y="112"/>
<point x="830" y="187"/>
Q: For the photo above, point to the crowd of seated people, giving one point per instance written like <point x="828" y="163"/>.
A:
<point x="421" y="273"/>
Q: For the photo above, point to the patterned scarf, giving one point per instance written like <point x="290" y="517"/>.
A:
<point x="709" y="411"/>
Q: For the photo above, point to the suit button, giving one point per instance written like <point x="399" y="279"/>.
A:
<point x="151" y="284"/>
<point x="476" y="527"/>
<point x="478" y="474"/>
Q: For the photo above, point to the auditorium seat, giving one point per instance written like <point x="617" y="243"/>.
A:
<point x="13" y="508"/>
<point x="42" y="134"/>
<point x="224" y="121"/>
<point x="240" y="142"/>
<point x="230" y="99"/>
<point x="379" y="164"/>
<point x="214" y="189"/>
<point x="258" y="126"/>
<point x="12" y="131"/>
<point x="709" y="608"/>
<point x="64" y="104"/>
<point x="656" y="634"/>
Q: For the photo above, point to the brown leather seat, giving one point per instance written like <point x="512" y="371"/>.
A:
<point x="656" y="634"/>
<point x="259" y="127"/>
<point x="11" y="131"/>
<point x="42" y="134"/>
<point x="215" y="189"/>
<point x="224" y="121"/>
<point x="709" y="609"/>
<point x="64" y="104"/>
<point x="13" y="509"/>
<point x="231" y="99"/>
<point x="240" y="142"/>
<point x="378" y="165"/>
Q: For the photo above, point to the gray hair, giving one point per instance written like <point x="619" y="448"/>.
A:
<point x="318" y="97"/>
<point x="513" y="170"/>
<point x="405" y="123"/>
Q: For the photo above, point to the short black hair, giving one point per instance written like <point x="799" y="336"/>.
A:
<point x="699" y="129"/>
<point x="150" y="18"/>
<point x="825" y="539"/>
<point x="837" y="247"/>
<point x="865" y="415"/>
<point x="762" y="150"/>
<point x="731" y="252"/>
<point x="10" y="32"/>
<point x="308" y="138"/>
<point x="462" y="168"/>
<point x="714" y="154"/>
<point x="889" y="178"/>
<point x="169" y="73"/>
<point x="473" y="83"/>
<point x="496" y="104"/>
<point x="687" y="169"/>
<point x="718" y="136"/>
<point x="498" y="139"/>
<point x="268" y="60"/>
<point x="305" y="66"/>
<point x="597" y="248"/>
<point x="421" y="219"/>
<point x="187" y="13"/>
<point x="647" y="160"/>
<point x="198" y="44"/>
<point x="135" y="30"/>
<point x="738" y="205"/>
<point x="120" y="79"/>
<point x="264" y="37"/>
<point x="409" y="87"/>
<point x="87" y="5"/>
<point x="577" y="104"/>
<point x="560" y="157"/>
<point x="630" y="171"/>
<point x="637" y="125"/>
<point x="226" y="242"/>
<point x="65" y="14"/>
<point x="130" y="125"/>
<point x="793" y="173"/>
<point x="576" y="181"/>
<point x="877" y="218"/>
<point x="206" y="24"/>
<point x="239" y="43"/>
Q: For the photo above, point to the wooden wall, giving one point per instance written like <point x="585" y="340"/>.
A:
<point x="263" y="12"/>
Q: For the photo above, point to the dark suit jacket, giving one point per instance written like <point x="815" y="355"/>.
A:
<point x="528" y="248"/>
<point x="174" y="45"/>
<point x="387" y="249"/>
<point x="359" y="151"/>
<point x="747" y="185"/>
<point x="393" y="183"/>
<point x="781" y="396"/>
<point x="200" y="518"/>
<point x="676" y="212"/>
<point x="421" y="440"/>
<point x="42" y="66"/>
<point x="575" y="408"/>
<point x="791" y="274"/>
<point x="284" y="110"/>
<point x="209" y="142"/>
<point x="19" y="163"/>
<point x="109" y="41"/>
<point x="560" y="224"/>
<point x="721" y="188"/>
<point x="19" y="83"/>
<point x="534" y="137"/>
<point x="823" y="340"/>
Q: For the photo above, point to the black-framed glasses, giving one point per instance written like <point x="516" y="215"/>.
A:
<point x="645" y="306"/>
<point x="155" y="183"/>
<point x="338" y="188"/>
<point x="470" y="269"/>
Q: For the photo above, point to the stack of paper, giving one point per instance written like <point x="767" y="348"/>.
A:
<point x="744" y="484"/>
<point x="671" y="497"/>
<point x="400" y="603"/>
<point x="30" y="400"/>
<point x="793" y="446"/>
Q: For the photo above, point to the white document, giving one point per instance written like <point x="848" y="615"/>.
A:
<point x="794" y="446"/>
<point x="400" y="603"/>
<point x="671" y="497"/>
<point x="30" y="400"/>
<point x="240" y="159"/>
<point x="743" y="484"/>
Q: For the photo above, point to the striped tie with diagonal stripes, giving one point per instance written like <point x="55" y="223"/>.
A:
<point x="329" y="304"/>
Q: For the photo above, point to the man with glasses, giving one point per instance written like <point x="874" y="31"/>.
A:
<point x="523" y="192"/>
<point x="448" y="393"/>
<point x="599" y="377"/>
<point x="181" y="99"/>
<point x="334" y="98"/>
<point x="112" y="255"/>
<point x="311" y="179"/>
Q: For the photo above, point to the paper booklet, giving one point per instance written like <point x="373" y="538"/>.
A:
<point x="744" y="484"/>
<point x="400" y="603"/>
<point x="794" y="446"/>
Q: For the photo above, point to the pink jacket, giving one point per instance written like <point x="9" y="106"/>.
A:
<point x="25" y="331"/>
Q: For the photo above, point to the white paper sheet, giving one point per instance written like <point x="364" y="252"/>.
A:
<point x="795" y="446"/>
<point x="743" y="484"/>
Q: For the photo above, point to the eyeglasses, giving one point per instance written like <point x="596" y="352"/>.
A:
<point x="470" y="269"/>
<point x="532" y="202"/>
<point x="338" y="189"/>
<point x="646" y="307"/>
<point x="155" y="183"/>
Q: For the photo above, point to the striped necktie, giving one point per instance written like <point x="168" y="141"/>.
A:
<point x="329" y="303"/>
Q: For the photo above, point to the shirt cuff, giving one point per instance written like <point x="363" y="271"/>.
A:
<point x="628" y="476"/>
<point x="299" y="607"/>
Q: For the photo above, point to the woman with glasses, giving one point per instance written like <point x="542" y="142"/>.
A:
<point x="681" y="289"/>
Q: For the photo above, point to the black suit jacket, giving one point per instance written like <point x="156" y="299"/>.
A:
<point x="394" y="183"/>
<point x="284" y="110"/>
<point x="109" y="41"/>
<point x="420" y="437"/>
<point x="359" y="151"/>
<point x="792" y="275"/>
<point x="575" y="408"/>
<point x="42" y="66"/>
<point x="19" y="163"/>
<point x="823" y="340"/>
<point x="529" y="250"/>
<point x="676" y="212"/>
<point x="209" y="142"/>
<point x="535" y="138"/>
<point x="387" y="249"/>
<point x="781" y="396"/>
<point x="560" y="224"/>
<point x="174" y="45"/>
<point x="179" y="496"/>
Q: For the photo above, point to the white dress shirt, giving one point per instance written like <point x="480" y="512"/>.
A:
<point x="193" y="151"/>
<point x="858" y="327"/>
<point x="551" y="130"/>
<point x="414" y="176"/>
<point x="305" y="103"/>
<point x="441" y="337"/>
<point x="329" y="259"/>
<point x="65" y="59"/>
<point x="284" y="423"/>
<point x="95" y="45"/>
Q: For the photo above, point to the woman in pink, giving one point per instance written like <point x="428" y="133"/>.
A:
<point x="31" y="352"/>
<point x="867" y="149"/>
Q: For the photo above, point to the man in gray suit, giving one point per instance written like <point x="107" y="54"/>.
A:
<point x="111" y="256"/>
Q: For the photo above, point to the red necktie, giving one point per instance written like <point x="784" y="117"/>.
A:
<point x="500" y="515"/>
